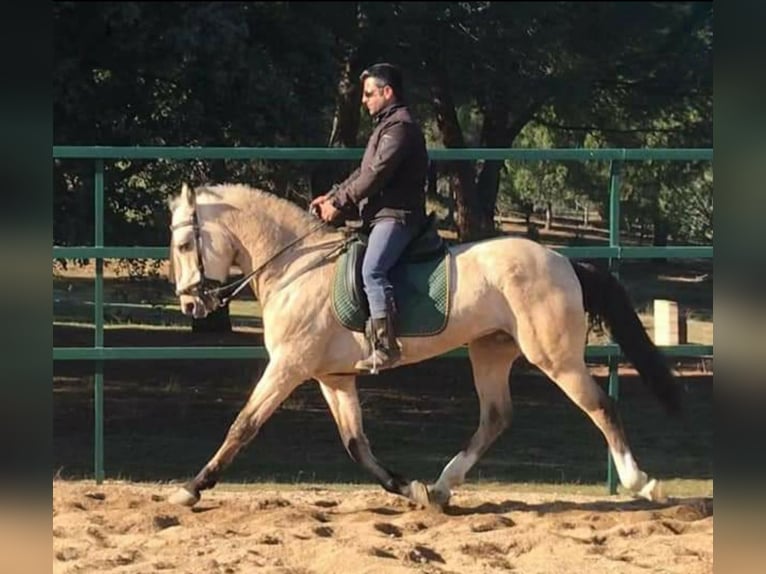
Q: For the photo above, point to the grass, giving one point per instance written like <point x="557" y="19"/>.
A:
<point x="163" y="420"/>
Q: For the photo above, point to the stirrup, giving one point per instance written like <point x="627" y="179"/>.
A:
<point x="373" y="364"/>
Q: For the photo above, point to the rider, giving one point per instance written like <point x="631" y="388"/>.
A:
<point x="388" y="191"/>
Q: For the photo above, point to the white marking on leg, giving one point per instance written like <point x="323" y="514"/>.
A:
<point x="631" y="477"/>
<point x="637" y="481"/>
<point x="183" y="497"/>
<point x="455" y="471"/>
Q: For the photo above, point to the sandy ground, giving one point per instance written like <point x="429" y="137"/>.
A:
<point x="130" y="528"/>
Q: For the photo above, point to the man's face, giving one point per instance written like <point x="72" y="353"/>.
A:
<point x="375" y="98"/>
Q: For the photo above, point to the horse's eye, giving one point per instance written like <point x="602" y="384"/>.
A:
<point x="184" y="247"/>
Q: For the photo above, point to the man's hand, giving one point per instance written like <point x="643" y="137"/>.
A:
<point x="314" y="206"/>
<point x="323" y="208"/>
<point x="318" y="199"/>
<point x="328" y="212"/>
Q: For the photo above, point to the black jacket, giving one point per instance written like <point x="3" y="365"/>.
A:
<point x="391" y="180"/>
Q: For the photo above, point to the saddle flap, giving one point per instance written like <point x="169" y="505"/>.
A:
<point x="421" y="291"/>
<point x="352" y="276"/>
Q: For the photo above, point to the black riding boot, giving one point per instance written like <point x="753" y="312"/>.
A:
<point x="385" y="351"/>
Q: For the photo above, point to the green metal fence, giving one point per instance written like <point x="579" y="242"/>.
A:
<point x="614" y="252"/>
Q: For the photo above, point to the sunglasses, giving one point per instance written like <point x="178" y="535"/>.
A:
<point x="370" y="93"/>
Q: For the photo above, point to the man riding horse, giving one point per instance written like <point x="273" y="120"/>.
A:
<point x="388" y="192"/>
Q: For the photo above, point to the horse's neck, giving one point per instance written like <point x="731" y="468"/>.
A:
<point x="261" y="239"/>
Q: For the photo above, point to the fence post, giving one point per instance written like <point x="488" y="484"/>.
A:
<point x="98" y="397"/>
<point x="615" y="168"/>
<point x="669" y="323"/>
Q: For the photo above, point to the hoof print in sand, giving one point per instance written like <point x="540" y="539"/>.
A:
<point x="492" y="523"/>
<point x="163" y="521"/>
<point x="323" y="531"/>
<point x="423" y="554"/>
<point x="388" y="529"/>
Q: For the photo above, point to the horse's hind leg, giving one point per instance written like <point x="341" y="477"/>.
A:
<point x="343" y="400"/>
<point x="491" y="360"/>
<point x="577" y="383"/>
<point x="276" y="384"/>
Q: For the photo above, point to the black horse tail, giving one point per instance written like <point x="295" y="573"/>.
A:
<point x="605" y="298"/>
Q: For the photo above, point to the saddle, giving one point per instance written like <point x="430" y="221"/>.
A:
<point x="420" y="279"/>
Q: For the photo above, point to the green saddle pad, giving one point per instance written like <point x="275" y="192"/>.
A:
<point x="421" y="290"/>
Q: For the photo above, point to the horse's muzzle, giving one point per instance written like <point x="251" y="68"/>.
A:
<point x="193" y="306"/>
<point x="200" y="300"/>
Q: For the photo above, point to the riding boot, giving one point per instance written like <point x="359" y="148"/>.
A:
<point x="385" y="351"/>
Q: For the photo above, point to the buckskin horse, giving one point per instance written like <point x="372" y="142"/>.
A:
<point x="501" y="297"/>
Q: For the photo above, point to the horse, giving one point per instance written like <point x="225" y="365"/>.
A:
<point x="509" y="296"/>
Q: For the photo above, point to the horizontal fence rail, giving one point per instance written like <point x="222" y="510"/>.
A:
<point x="614" y="252"/>
<point x="322" y="153"/>
<point x="245" y="352"/>
<point x="671" y="252"/>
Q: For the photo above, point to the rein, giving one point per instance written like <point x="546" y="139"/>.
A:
<point x="241" y="283"/>
<point x="342" y="244"/>
<point x="212" y="288"/>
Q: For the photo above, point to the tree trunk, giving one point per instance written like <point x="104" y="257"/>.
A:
<point x="548" y="215"/>
<point x="432" y="178"/>
<point x="218" y="170"/>
<point x="494" y="133"/>
<point x="660" y="235"/>
<point x="476" y="197"/>
<point x="345" y="125"/>
<point x="468" y="211"/>
<point x="487" y="188"/>
<point x="450" y="199"/>
<point x="661" y="232"/>
<point x="499" y="128"/>
<point x="469" y="219"/>
<point x="527" y="209"/>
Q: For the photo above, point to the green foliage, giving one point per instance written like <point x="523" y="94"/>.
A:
<point x="531" y="185"/>
<point x="267" y="74"/>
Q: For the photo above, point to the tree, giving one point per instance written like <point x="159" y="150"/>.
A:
<point x="286" y="74"/>
<point x="568" y="66"/>
<point x="202" y="74"/>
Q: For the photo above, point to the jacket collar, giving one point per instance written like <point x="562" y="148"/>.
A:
<point x="386" y="112"/>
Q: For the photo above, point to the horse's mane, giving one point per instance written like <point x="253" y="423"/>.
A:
<point x="251" y="200"/>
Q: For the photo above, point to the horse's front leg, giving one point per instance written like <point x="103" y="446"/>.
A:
<point x="341" y="395"/>
<point x="276" y="384"/>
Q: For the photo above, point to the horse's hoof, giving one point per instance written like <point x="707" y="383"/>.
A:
<point x="184" y="497"/>
<point x="653" y="491"/>
<point x="419" y="493"/>
<point x="439" y="498"/>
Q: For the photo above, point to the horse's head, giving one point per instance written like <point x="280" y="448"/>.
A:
<point x="200" y="255"/>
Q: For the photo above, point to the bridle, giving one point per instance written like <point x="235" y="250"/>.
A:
<point x="204" y="287"/>
<point x="212" y="290"/>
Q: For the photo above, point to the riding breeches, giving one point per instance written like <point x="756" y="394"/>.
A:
<point x="388" y="239"/>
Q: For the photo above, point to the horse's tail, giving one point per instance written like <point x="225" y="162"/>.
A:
<point x="605" y="298"/>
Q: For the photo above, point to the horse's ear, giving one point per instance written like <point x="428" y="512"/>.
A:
<point x="187" y="195"/>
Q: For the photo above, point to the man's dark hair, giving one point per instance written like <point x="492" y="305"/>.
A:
<point x="385" y="74"/>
